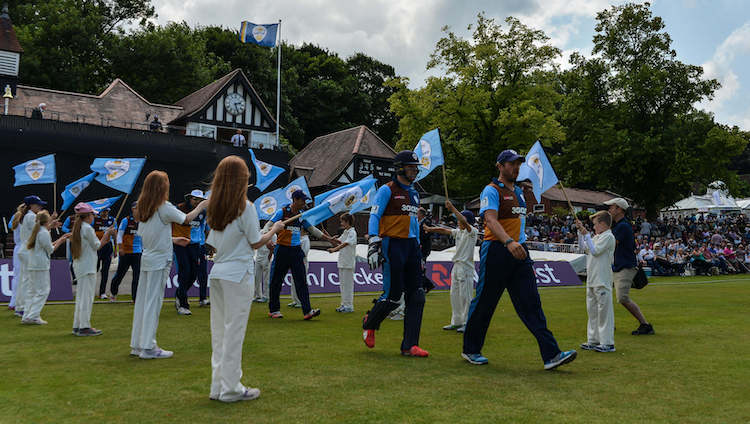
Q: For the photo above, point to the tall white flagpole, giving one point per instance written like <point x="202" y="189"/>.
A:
<point x="278" y="85"/>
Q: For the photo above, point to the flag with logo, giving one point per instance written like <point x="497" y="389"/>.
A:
<point x="265" y="173"/>
<point x="538" y="170"/>
<point x="268" y="204"/>
<point x="342" y="199"/>
<point x="262" y="35"/>
<point x="366" y="201"/>
<point x="75" y="188"/>
<point x="430" y="153"/>
<point x="101" y="204"/>
<point x="36" y="171"/>
<point x="120" y="174"/>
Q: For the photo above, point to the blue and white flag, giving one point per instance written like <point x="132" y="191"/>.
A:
<point x="120" y="174"/>
<point x="538" y="170"/>
<point x="366" y="201"/>
<point x="268" y="204"/>
<point x="262" y="35"/>
<point x="265" y="173"/>
<point x="36" y="171"/>
<point x="101" y="204"/>
<point x="355" y="196"/>
<point x="75" y="188"/>
<point x="430" y="153"/>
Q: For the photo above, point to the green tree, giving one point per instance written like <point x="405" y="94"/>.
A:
<point x="67" y="42"/>
<point x="630" y="118"/>
<point x="499" y="92"/>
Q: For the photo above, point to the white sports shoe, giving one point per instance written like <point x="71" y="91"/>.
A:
<point x="156" y="353"/>
<point x="249" y="394"/>
<point x="135" y="352"/>
<point x="183" y="311"/>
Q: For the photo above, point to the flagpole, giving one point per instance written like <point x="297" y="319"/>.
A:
<point x="566" y="198"/>
<point x="125" y="200"/>
<point x="54" y="195"/>
<point x="445" y="183"/>
<point x="278" y="84"/>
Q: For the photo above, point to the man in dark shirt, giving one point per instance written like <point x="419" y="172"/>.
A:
<point x="625" y="264"/>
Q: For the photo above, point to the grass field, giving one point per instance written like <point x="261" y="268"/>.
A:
<point x="696" y="369"/>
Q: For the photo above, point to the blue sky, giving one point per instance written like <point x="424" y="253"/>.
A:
<point x="403" y="33"/>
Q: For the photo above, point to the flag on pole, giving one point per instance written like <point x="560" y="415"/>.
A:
<point x="75" y="188"/>
<point x="430" y="153"/>
<point x="36" y="171"/>
<point x="99" y="205"/>
<point x="538" y="170"/>
<point x="265" y="173"/>
<point x="341" y="200"/>
<point x="120" y="174"/>
<point x="262" y="35"/>
<point x="269" y="203"/>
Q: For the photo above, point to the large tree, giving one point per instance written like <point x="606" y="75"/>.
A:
<point x="499" y="92"/>
<point x="630" y="116"/>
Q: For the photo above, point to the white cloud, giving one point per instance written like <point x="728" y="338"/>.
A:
<point x="721" y="67"/>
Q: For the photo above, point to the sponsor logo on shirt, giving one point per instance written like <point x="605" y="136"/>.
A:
<point x="485" y="202"/>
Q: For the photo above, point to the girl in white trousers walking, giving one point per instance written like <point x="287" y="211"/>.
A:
<point x="235" y="233"/>
<point x="39" y="248"/>
<point x="347" y="253"/>
<point x="155" y="216"/>
<point x="83" y="248"/>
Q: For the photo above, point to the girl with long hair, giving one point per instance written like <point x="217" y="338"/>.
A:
<point x="235" y="233"/>
<point x="39" y="247"/>
<point x="84" y="246"/>
<point x="154" y="215"/>
<point x="15" y="225"/>
<point x="27" y="219"/>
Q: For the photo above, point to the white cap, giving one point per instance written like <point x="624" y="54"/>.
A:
<point x="198" y="194"/>
<point x="620" y="202"/>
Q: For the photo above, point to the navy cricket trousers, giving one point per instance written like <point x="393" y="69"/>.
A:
<point x="287" y="258"/>
<point x="401" y="274"/>
<point x="500" y="271"/>
<point x="187" y="270"/>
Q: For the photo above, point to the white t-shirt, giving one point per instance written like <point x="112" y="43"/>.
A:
<point x="39" y="255"/>
<point x="234" y="254"/>
<point x="348" y="253"/>
<point x="86" y="263"/>
<point x="465" y="242"/>
<point x="156" y="237"/>
<point x="261" y="255"/>
<point x="27" y="227"/>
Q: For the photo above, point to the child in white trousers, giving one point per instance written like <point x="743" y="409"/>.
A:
<point x="263" y="267"/>
<point x="15" y="225"/>
<point x="347" y="255"/>
<point x="462" y="274"/>
<point x="84" y="246"/>
<point x="235" y="232"/>
<point x="27" y="217"/>
<point x="155" y="218"/>
<point x="39" y="248"/>
<point x="599" y="278"/>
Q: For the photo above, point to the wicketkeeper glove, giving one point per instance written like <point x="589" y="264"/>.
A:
<point x="375" y="252"/>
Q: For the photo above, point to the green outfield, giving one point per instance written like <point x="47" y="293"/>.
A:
<point x="694" y="370"/>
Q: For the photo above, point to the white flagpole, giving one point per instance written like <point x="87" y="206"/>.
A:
<point x="278" y="84"/>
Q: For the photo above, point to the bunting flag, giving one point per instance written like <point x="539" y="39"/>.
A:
<point x="430" y="153"/>
<point x="538" y="170"/>
<point x="75" y="188"/>
<point x="265" y="173"/>
<point x="120" y="174"/>
<point x="36" y="171"/>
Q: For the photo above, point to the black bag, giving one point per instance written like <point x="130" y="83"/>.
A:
<point x="640" y="280"/>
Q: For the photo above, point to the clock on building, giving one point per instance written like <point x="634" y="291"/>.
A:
<point x="234" y="103"/>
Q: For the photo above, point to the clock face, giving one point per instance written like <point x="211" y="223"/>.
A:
<point x="234" y="103"/>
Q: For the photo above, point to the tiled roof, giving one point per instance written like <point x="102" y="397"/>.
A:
<point x="8" y="40"/>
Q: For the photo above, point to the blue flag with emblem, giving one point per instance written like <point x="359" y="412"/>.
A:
<point x="120" y="174"/>
<point x="350" y="198"/>
<point x="36" y="171"/>
<point x="268" y="204"/>
<point x="430" y="153"/>
<point x="265" y="173"/>
<point x="262" y="35"/>
<point x="538" y="170"/>
<point x="101" y="204"/>
<point x="75" y="188"/>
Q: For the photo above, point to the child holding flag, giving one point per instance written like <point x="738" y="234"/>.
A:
<point x="155" y="215"/>
<point x="84" y="248"/>
<point x="347" y="253"/>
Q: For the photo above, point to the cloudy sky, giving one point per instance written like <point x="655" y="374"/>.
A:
<point x="403" y="33"/>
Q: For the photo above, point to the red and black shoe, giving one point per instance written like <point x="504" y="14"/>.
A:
<point x="368" y="335"/>
<point x="416" y="351"/>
